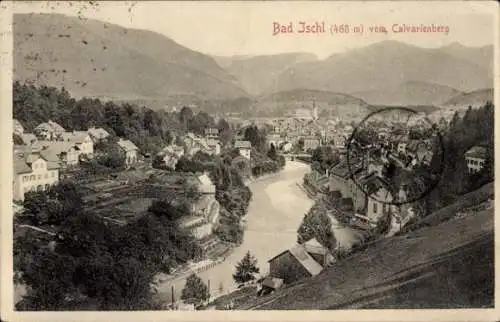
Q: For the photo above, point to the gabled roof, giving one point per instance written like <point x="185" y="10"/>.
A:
<point x="205" y="179"/>
<point x="476" y="152"/>
<point x="23" y="161"/>
<point x="98" y="132"/>
<point x="20" y="165"/>
<point x="50" y="126"/>
<point x="373" y="183"/>
<point x="127" y="145"/>
<point x="75" y="136"/>
<point x="300" y="254"/>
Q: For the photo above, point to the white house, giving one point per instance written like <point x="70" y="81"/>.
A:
<point x="274" y="139"/>
<point x="475" y="158"/>
<point x="65" y="153"/>
<point x="130" y="150"/>
<point x="244" y="147"/>
<point x="82" y="140"/>
<point x="32" y="172"/>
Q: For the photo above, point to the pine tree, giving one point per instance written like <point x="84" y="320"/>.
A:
<point x="246" y="269"/>
<point x="195" y="291"/>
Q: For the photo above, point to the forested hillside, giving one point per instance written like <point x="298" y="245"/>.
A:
<point x="475" y="128"/>
<point x="149" y="129"/>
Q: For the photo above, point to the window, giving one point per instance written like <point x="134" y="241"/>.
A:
<point x="46" y="175"/>
<point x="33" y="177"/>
<point x="25" y="178"/>
<point x="375" y="207"/>
<point x="53" y="174"/>
<point x="35" y="166"/>
<point x="39" y="177"/>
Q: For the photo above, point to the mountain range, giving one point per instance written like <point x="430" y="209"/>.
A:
<point x="94" y="58"/>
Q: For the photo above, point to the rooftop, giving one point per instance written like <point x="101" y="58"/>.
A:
<point x="299" y="252"/>
<point x="476" y="152"/>
<point x="127" y="145"/>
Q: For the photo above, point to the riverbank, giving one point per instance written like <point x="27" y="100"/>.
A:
<point x="262" y="177"/>
<point x="271" y="223"/>
<point x="205" y="264"/>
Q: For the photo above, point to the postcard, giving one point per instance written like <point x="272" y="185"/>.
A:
<point x="249" y="161"/>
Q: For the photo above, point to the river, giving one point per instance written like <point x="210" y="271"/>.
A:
<point x="274" y="215"/>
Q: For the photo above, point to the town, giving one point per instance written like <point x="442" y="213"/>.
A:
<point x="157" y="170"/>
<point x="349" y="178"/>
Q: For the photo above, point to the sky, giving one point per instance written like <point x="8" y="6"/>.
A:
<point x="246" y="28"/>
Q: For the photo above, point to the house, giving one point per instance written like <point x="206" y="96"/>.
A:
<point x="311" y="143"/>
<point x="205" y="184"/>
<point x="274" y="139"/>
<point x="17" y="127"/>
<point x="339" y="141"/>
<point x="293" y="265"/>
<point x="212" y="140"/>
<point x="380" y="196"/>
<point x="475" y="158"/>
<point x="212" y="133"/>
<point x="82" y="140"/>
<point x="342" y="179"/>
<point x="49" y="130"/>
<point x="33" y="172"/>
<point x="170" y="155"/>
<point x="193" y="144"/>
<point x="97" y="134"/>
<point x="244" y="148"/>
<point x="65" y="153"/>
<point x="401" y="147"/>
<point x="130" y="150"/>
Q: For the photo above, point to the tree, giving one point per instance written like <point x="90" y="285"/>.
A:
<point x="272" y="154"/>
<point x="195" y="291"/>
<point x="225" y="131"/>
<point x="256" y="138"/>
<point x="317" y="224"/>
<point x="246" y="269"/>
<point x="185" y="115"/>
